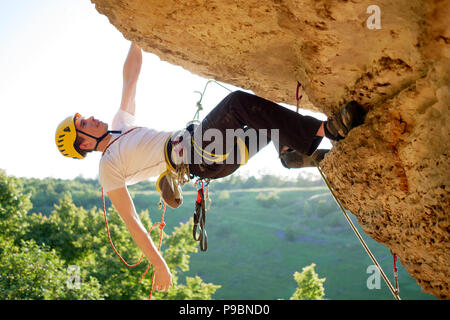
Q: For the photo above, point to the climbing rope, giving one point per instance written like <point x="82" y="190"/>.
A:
<point x="110" y="241"/>
<point x="358" y="235"/>
<point x="202" y="94"/>
<point x="161" y="227"/>
<point x="198" y="230"/>
<point x="160" y="224"/>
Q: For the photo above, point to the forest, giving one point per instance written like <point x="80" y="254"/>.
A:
<point x="268" y="238"/>
<point x="53" y="245"/>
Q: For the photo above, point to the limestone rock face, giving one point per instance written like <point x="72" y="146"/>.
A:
<point x="393" y="171"/>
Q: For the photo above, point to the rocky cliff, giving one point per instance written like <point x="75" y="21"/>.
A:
<point x="393" y="171"/>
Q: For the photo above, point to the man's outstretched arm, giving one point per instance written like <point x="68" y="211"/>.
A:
<point x="123" y="203"/>
<point x="131" y="70"/>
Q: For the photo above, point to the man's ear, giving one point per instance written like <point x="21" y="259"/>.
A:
<point x="87" y="145"/>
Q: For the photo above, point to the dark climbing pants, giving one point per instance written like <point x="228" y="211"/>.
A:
<point x="240" y="110"/>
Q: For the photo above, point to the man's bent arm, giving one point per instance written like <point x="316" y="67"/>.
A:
<point x="131" y="70"/>
<point x="123" y="203"/>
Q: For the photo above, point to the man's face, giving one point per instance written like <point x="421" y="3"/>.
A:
<point x="91" y="126"/>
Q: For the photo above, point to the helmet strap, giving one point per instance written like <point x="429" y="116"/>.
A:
<point x="99" y="139"/>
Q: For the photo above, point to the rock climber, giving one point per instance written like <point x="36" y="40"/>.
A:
<point x="131" y="154"/>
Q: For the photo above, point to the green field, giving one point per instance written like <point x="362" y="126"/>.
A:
<point x="258" y="237"/>
<point x="257" y="242"/>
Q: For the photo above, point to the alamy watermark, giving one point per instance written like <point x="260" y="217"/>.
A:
<point x="216" y="146"/>
<point x="73" y="277"/>
<point x="374" y="280"/>
<point x="374" y="20"/>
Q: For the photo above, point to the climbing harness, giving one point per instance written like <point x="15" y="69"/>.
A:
<point x="199" y="231"/>
<point x="180" y="174"/>
<point x="160" y="224"/>
<point x="176" y="175"/>
<point x="202" y="185"/>
<point x="358" y="235"/>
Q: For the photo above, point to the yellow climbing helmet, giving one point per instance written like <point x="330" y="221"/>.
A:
<point x="65" y="137"/>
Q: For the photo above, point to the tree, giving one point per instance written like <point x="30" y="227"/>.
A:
<point x="80" y="237"/>
<point x="36" y="252"/>
<point x="310" y="287"/>
<point x="267" y="200"/>
<point x="251" y="182"/>
<point x="178" y="246"/>
<point x="35" y="272"/>
<point x="14" y="206"/>
<point x="223" y="198"/>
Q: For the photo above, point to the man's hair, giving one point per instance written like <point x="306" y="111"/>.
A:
<point x="76" y="145"/>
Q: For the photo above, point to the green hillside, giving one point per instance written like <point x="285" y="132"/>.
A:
<point x="255" y="245"/>
<point x="260" y="231"/>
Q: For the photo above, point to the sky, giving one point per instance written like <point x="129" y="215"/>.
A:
<point x="58" y="57"/>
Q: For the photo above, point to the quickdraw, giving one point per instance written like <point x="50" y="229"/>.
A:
<point x="393" y="290"/>
<point x="397" y="289"/>
<point x="199" y="230"/>
<point x="297" y="96"/>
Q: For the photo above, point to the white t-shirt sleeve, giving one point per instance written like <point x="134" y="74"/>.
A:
<point x="110" y="177"/>
<point x="122" y="120"/>
<point x="109" y="174"/>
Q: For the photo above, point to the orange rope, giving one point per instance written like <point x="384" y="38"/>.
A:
<point x="161" y="227"/>
<point x="110" y="241"/>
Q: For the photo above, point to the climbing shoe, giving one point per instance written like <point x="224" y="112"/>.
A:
<point x="338" y="126"/>
<point x="291" y="158"/>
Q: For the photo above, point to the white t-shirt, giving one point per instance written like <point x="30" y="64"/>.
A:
<point x="135" y="157"/>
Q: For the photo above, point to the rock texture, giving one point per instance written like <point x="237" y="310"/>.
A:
<point x="393" y="171"/>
